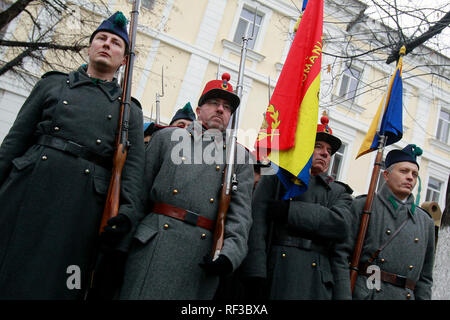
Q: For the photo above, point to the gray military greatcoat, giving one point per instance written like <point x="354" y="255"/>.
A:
<point x="164" y="259"/>
<point x="51" y="201"/>
<point x="410" y="253"/>
<point x="297" y="257"/>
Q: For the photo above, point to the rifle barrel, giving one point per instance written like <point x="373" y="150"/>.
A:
<point x="120" y="154"/>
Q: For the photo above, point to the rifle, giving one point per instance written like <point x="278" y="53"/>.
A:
<point x="229" y="175"/>
<point x="158" y="102"/>
<point x="366" y="214"/>
<point x="122" y="144"/>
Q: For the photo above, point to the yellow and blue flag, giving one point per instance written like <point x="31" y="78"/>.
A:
<point x="288" y="136"/>
<point x="391" y="107"/>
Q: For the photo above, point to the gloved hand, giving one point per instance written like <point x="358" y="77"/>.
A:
<point x="114" y="231"/>
<point x="277" y="210"/>
<point x="219" y="267"/>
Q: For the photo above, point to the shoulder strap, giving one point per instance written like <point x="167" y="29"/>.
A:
<point x="396" y="232"/>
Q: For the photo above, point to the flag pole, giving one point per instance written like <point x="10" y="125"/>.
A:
<point x="367" y="210"/>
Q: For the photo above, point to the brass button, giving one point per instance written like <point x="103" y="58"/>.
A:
<point x="109" y="117"/>
<point x="56" y="128"/>
<point x="44" y="158"/>
<point x="211" y="200"/>
<point x="119" y="98"/>
<point x="217" y="168"/>
<point x="377" y="289"/>
<point x="87" y="171"/>
<point x="65" y="102"/>
<point x="175" y="191"/>
<point x="166" y="226"/>
<point x="98" y="141"/>
<point x="388" y="232"/>
<point x="408" y="296"/>
<point x="203" y="236"/>
<point x="314" y="264"/>
<point x="383" y="260"/>
<point x="67" y="81"/>
<point x="411" y="267"/>
<point x="183" y="158"/>
<point x="283" y="255"/>
<point x="416" y="240"/>
<point x="224" y="146"/>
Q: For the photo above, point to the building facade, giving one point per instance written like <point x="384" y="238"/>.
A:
<point x="189" y="43"/>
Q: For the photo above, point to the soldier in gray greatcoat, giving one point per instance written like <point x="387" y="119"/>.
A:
<point x="55" y="167"/>
<point x="402" y="231"/>
<point x="291" y="244"/>
<point x="170" y="257"/>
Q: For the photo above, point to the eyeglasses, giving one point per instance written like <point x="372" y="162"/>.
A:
<point x="216" y="103"/>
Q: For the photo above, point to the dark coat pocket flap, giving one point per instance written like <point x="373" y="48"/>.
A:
<point x="144" y="233"/>
<point x="327" y="277"/>
<point x="101" y="185"/>
<point x="22" y="162"/>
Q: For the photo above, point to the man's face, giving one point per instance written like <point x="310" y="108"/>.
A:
<point x="182" y="123"/>
<point x="107" y="51"/>
<point x="321" y="157"/>
<point x="214" y="113"/>
<point x="402" y="178"/>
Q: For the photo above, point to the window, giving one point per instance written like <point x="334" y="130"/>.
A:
<point x="245" y="27"/>
<point x="334" y="170"/>
<point x="442" y="133"/>
<point x="349" y="83"/>
<point x="433" y="190"/>
<point x="148" y="4"/>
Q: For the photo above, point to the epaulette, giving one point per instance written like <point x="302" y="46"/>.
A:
<point x="346" y="186"/>
<point x="136" y="101"/>
<point x="52" y="73"/>
<point x="422" y="209"/>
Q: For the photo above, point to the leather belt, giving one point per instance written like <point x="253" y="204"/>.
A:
<point x="184" y="215"/>
<point x="392" y="278"/>
<point x="302" y="243"/>
<point x="74" y="149"/>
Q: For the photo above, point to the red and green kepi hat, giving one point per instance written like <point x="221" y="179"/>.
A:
<point x="324" y="133"/>
<point x="408" y="153"/>
<point x="116" y="24"/>
<point x="220" y="89"/>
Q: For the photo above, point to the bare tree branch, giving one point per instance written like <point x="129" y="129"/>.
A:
<point x="13" y="11"/>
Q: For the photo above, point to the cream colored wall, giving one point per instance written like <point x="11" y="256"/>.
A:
<point x="182" y="24"/>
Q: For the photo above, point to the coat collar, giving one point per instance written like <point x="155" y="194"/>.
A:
<point x="393" y="204"/>
<point x="324" y="179"/>
<point x="198" y="131"/>
<point x="110" y="88"/>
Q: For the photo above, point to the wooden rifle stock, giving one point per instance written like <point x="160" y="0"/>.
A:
<point x="365" y="219"/>
<point x="219" y="230"/>
<point x="111" y="208"/>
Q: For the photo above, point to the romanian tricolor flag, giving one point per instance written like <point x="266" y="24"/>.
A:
<point x="391" y="106"/>
<point x="288" y="135"/>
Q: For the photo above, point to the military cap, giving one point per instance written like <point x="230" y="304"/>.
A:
<point x="408" y="153"/>
<point x="184" y="113"/>
<point x="220" y="89"/>
<point x="116" y="24"/>
<point x="148" y="127"/>
<point x="324" y="133"/>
